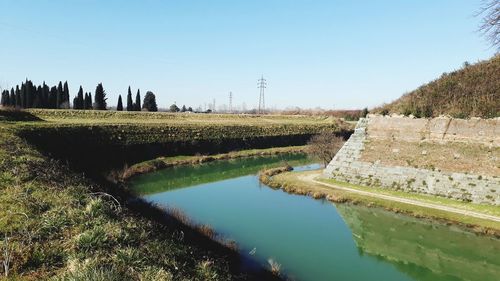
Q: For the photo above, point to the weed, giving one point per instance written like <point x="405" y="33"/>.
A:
<point x="7" y="256"/>
<point x="155" y="273"/>
<point x="97" y="273"/>
<point x="274" y="266"/>
<point x="92" y="240"/>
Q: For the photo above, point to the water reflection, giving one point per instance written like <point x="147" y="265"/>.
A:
<point x="421" y="248"/>
<point x="190" y="175"/>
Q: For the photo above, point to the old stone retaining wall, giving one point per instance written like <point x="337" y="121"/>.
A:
<point x="441" y="129"/>
<point x="347" y="165"/>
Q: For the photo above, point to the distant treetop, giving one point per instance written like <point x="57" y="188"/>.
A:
<point x="149" y="103"/>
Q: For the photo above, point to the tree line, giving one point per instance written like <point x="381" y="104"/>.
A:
<point x="28" y="95"/>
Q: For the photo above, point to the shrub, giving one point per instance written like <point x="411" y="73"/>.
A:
<point x="324" y="146"/>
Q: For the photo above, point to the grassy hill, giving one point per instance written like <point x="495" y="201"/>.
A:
<point x="472" y="91"/>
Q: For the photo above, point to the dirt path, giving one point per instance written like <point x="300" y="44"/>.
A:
<point x="310" y="178"/>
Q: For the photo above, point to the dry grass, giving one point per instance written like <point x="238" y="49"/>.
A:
<point x="451" y="157"/>
<point x="473" y="90"/>
<point x="274" y="266"/>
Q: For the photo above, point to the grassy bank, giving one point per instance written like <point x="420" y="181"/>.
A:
<point x="57" y="224"/>
<point x="294" y="183"/>
<point x="164" y="162"/>
<point x="96" y="141"/>
<point x="135" y="128"/>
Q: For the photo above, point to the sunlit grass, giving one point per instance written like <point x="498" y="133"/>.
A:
<point x="292" y="182"/>
<point x="53" y="224"/>
<point x="481" y="208"/>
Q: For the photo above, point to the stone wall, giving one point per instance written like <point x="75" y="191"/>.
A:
<point x="441" y="129"/>
<point x="347" y="165"/>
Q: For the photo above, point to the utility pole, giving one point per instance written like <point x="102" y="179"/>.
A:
<point x="213" y="109"/>
<point x="261" y="83"/>
<point x="230" y="102"/>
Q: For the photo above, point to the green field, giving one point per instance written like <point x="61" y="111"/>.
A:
<point x="128" y="128"/>
<point x="124" y="117"/>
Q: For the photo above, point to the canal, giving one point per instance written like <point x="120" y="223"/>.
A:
<point x="316" y="239"/>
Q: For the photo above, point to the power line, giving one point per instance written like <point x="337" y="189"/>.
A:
<point x="261" y="83"/>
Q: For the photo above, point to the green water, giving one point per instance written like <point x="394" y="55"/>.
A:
<point x="315" y="239"/>
<point x="189" y="175"/>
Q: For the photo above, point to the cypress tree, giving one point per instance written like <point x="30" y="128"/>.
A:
<point x="150" y="102"/>
<point x="65" y="98"/>
<point x="5" y="98"/>
<point x="59" y="96"/>
<point x="137" y="104"/>
<point x="100" y="98"/>
<point x="52" y="101"/>
<point x="190" y="109"/>
<point x="88" y="101"/>
<point x="78" y="101"/>
<point x="85" y="102"/>
<point x="130" y="104"/>
<point x="81" y="100"/>
<point x="18" y="97"/>
<point x="45" y="96"/>
<point x="37" y="100"/>
<point x="119" y="106"/>
<point x="22" y="102"/>
<point x="29" y="95"/>
<point x="32" y="93"/>
<point x="183" y="108"/>
<point x="75" y="102"/>
<point x="12" y="100"/>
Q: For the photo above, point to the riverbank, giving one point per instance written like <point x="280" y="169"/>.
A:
<point x="303" y="183"/>
<point x="165" y="162"/>
<point x="57" y="223"/>
<point x="99" y="142"/>
<point x="61" y="217"/>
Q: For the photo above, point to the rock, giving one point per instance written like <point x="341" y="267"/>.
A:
<point x="395" y="150"/>
<point x="424" y="152"/>
<point x="456" y="156"/>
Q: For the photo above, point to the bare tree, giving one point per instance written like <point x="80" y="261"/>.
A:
<point x="324" y="146"/>
<point x="490" y="24"/>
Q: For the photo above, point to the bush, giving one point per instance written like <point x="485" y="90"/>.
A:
<point x="324" y="146"/>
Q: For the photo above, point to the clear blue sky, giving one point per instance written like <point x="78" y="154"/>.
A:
<point x="332" y="54"/>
